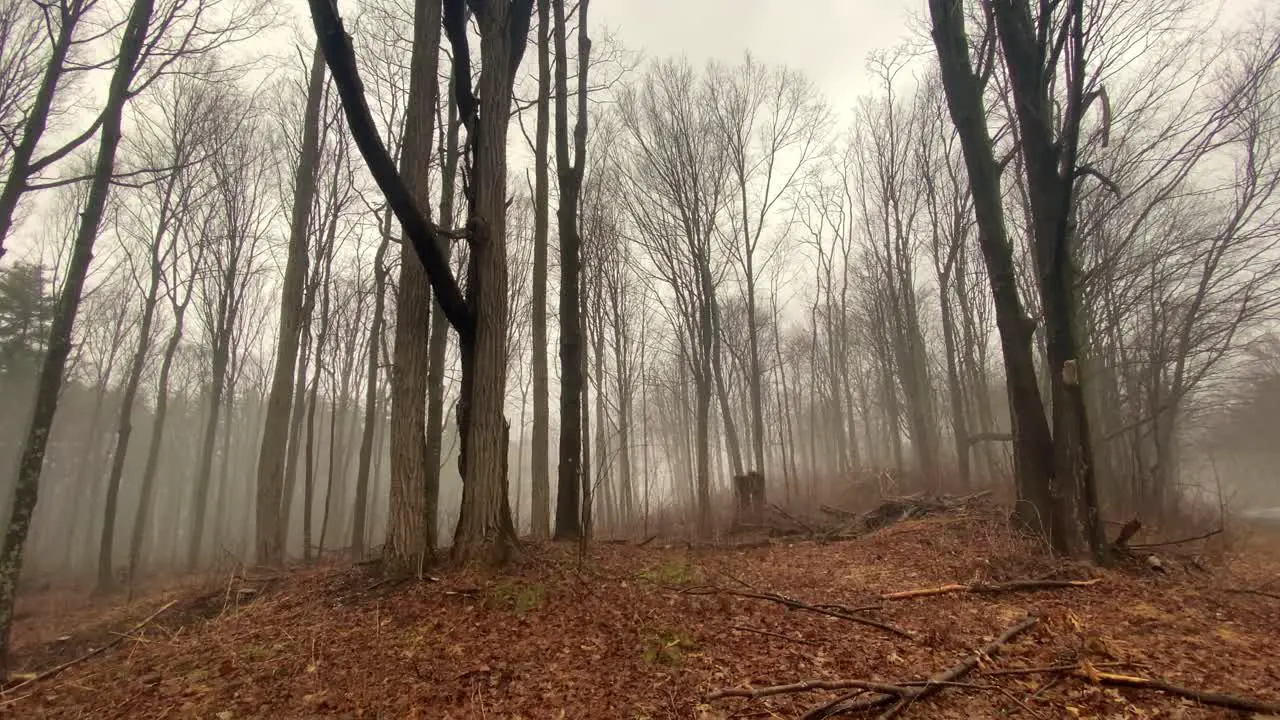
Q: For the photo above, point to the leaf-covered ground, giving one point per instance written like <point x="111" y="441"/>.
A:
<point x="640" y="632"/>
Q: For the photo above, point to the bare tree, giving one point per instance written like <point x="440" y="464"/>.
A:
<point x="51" y="375"/>
<point x="173" y="139"/>
<point x="570" y="171"/>
<point x="275" y="437"/>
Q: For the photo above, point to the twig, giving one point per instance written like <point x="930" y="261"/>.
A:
<point x="978" y="686"/>
<point x="1047" y="669"/>
<point x="1167" y="543"/>
<point x="96" y="651"/>
<point x="934" y="684"/>
<point x="780" y="636"/>
<point x="797" y="605"/>
<point x="807" y="686"/>
<point x="647" y="540"/>
<point x="1233" y="702"/>
<point x="1013" y="586"/>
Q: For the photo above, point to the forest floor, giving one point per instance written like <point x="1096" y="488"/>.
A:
<point x="654" y="631"/>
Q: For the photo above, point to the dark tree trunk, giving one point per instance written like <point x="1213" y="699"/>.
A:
<point x="540" y="510"/>
<point x="569" y="488"/>
<point x="26" y="489"/>
<point x="1033" y="444"/>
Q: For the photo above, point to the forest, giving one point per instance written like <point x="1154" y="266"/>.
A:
<point x="475" y="313"/>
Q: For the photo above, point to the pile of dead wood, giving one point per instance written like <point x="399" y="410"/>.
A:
<point x="838" y="523"/>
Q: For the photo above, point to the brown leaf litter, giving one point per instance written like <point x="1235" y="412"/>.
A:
<point x="651" y="632"/>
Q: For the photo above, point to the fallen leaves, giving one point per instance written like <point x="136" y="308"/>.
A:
<point x="549" y="639"/>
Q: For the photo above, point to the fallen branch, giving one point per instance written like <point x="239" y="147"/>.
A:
<point x="840" y="612"/>
<point x="1201" y="536"/>
<point x="988" y="588"/>
<point x="807" y="686"/>
<point x="1046" y="669"/>
<point x="1232" y="702"/>
<point x="96" y="651"/>
<point x="808" y="528"/>
<point x="839" y="512"/>
<point x="932" y="686"/>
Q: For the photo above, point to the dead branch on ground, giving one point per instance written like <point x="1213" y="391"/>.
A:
<point x="120" y="637"/>
<point x="930" y="687"/>
<point x="1232" y="702"/>
<point x="990" y="588"/>
<point x="807" y="686"/>
<point x="1183" y="541"/>
<point x="835" y="611"/>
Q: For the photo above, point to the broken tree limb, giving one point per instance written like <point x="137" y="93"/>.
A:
<point x="120" y="637"/>
<point x="808" y="528"/>
<point x="1183" y="541"/>
<point x="1232" y="702"/>
<point x="933" y="685"/>
<point x="989" y="588"/>
<point x="839" y="512"/>
<point x="1127" y="532"/>
<point x="828" y="610"/>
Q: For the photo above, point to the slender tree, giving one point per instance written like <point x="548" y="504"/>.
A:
<point x="59" y="345"/>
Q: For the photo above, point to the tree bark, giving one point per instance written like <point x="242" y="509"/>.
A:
<point x="275" y="448"/>
<point x="485" y="532"/>
<point x="411" y="535"/>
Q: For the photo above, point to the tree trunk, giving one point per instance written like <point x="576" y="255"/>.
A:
<point x="411" y="534"/>
<point x="276" y="441"/>
<point x="569" y="485"/>
<point x="371" y="408"/>
<point x="439" y="342"/>
<point x="1033" y="444"/>
<point x="540" y="510"/>
<point x="26" y="489"/>
<point x="145" y="502"/>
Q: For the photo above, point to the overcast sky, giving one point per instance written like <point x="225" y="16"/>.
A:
<point x="826" y="39"/>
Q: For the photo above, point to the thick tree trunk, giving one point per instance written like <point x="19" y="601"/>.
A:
<point x="411" y="534"/>
<point x="1033" y="444"/>
<point x="26" y="489"/>
<point x="276" y="446"/>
